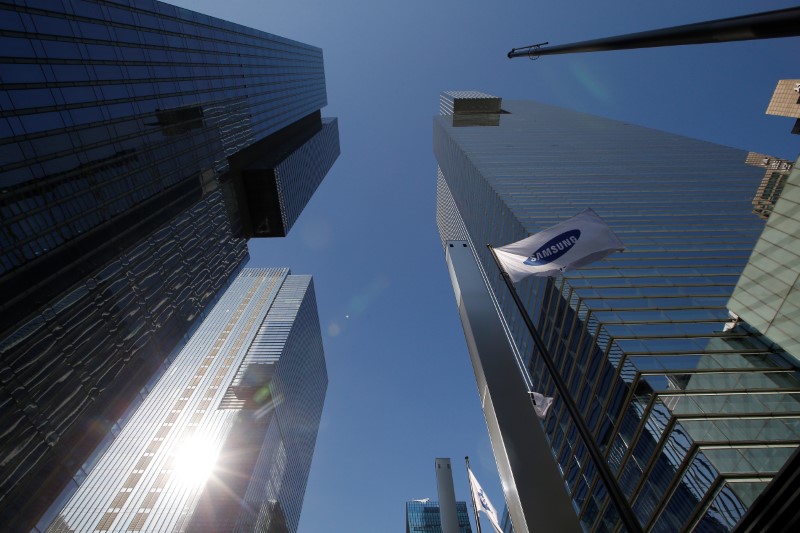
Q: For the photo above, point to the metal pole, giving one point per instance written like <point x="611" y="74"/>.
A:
<point x="767" y="25"/>
<point x="472" y="498"/>
<point x="629" y="520"/>
<point x="532" y="483"/>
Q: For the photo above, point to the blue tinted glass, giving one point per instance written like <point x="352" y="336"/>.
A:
<point x="38" y="122"/>
<point x="52" y="25"/>
<point x="15" y="47"/>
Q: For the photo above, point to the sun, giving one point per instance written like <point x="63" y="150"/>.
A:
<point x="195" y="460"/>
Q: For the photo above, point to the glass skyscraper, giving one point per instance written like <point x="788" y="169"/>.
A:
<point x="424" y="517"/>
<point x="140" y="145"/>
<point x="224" y="440"/>
<point x="693" y="412"/>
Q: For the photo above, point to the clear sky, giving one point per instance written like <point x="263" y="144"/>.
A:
<point x="401" y="386"/>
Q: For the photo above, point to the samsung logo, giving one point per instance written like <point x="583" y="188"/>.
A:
<point x="554" y="248"/>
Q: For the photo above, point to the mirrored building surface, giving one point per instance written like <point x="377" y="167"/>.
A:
<point x="224" y="440"/>
<point x="140" y="145"/>
<point x="424" y="516"/>
<point x="693" y="415"/>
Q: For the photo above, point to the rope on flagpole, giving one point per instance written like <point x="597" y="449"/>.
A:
<point x="629" y="520"/>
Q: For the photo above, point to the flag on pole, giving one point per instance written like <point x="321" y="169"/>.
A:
<point x="541" y="404"/>
<point x="482" y="502"/>
<point x="581" y="240"/>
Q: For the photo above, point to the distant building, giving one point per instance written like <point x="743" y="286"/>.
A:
<point x="693" y="418"/>
<point x="140" y="144"/>
<point x="224" y="440"/>
<point x="423" y="517"/>
<point x="505" y="521"/>
<point x="785" y="102"/>
<point x="777" y="170"/>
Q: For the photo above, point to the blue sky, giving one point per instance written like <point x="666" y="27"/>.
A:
<point x="401" y="387"/>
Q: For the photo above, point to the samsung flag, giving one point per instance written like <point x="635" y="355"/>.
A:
<point x="482" y="503"/>
<point x="581" y="240"/>
<point x="541" y="404"/>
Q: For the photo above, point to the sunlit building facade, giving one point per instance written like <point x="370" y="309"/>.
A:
<point x="767" y="296"/>
<point x="424" y="517"/>
<point x="785" y="102"/>
<point x="772" y="184"/>
<point x="693" y="413"/>
<point x="140" y="145"/>
<point x="224" y="440"/>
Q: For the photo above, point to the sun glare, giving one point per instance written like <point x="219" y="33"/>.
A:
<point x="195" y="460"/>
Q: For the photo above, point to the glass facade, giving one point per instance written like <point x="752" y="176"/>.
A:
<point x="224" y="440"/>
<point x="505" y="521"/>
<point x="767" y="295"/>
<point x="424" y="517"/>
<point x="693" y="417"/>
<point x="126" y="129"/>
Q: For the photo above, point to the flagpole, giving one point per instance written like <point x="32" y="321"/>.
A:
<point x="629" y="520"/>
<point x="472" y="497"/>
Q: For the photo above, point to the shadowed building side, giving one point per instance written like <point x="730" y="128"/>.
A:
<point x="118" y="125"/>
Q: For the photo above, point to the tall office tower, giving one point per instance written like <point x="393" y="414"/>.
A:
<point x="140" y="144"/>
<point x="224" y="440"/>
<point x="692" y="417"/>
<point x="423" y="516"/>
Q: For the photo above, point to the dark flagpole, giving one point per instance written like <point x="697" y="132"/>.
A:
<point x="629" y="520"/>
<point x="767" y="25"/>
<point x="472" y="497"/>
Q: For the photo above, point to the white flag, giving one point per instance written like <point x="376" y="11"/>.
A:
<point x="541" y="404"/>
<point x="482" y="502"/>
<point x="581" y="240"/>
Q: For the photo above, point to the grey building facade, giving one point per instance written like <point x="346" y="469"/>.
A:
<point x="140" y="145"/>
<point x="693" y="417"/>
<point x="225" y="438"/>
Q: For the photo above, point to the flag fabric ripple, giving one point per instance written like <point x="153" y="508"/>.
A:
<point x="482" y="502"/>
<point x="571" y="244"/>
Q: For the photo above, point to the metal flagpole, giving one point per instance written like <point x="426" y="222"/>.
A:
<point x="629" y="520"/>
<point x="472" y="497"/>
<point x="767" y="25"/>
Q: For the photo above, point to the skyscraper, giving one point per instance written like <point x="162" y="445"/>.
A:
<point x="140" y="144"/>
<point x="224" y="440"/>
<point x="694" y="418"/>
<point x="767" y="295"/>
<point x="423" y="516"/>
